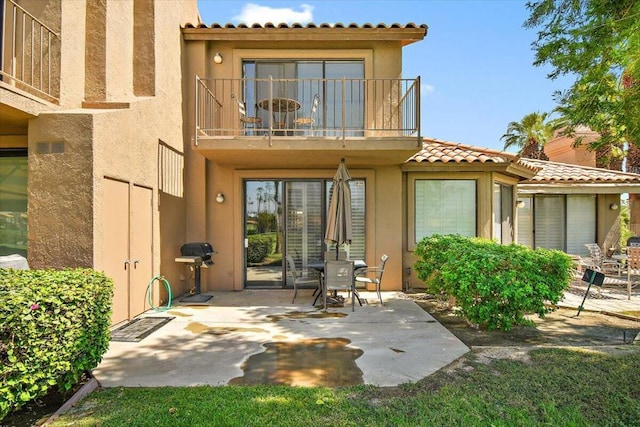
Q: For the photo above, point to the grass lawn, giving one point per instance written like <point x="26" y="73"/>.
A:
<point x="553" y="386"/>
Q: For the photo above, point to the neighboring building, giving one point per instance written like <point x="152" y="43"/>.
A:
<point x="565" y="206"/>
<point x="562" y="148"/>
<point x="122" y="138"/>
<point x="90" y="118"/>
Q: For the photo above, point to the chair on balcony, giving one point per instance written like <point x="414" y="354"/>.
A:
<point x="248" y="122"/>
<point x="311" y="119"/>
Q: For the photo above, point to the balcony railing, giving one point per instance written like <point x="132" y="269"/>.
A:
<point x="29" y="52"/>
<point x="325" y="108"/>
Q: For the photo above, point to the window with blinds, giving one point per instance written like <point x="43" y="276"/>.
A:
<point x="502" y="213"/>
<point x="525" y="221"/>
<point x="549" y="219"/>
<point x="581" y="223"/>
<point x="563" y="222"/>
<point x="445" y="206"/>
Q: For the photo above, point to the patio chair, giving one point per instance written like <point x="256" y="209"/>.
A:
<point x="600" y="263"/>
<point x="633" y="268"/>
<point x="245" y="120"/>
<point x="338" y="276"/>
<point x="310" y="120"/>
<point x="297" y="277"/>
<point x="373" y="275"/>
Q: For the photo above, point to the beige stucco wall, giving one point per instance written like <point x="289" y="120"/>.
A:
<point x="60" y="192"/>
<point x="222" y="224"/>
<point x="120" y="141"/>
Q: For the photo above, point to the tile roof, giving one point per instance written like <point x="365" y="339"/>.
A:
<point x="434" y="150"/>
<point x="563" y="173"/>
<point x="410" y="25"/>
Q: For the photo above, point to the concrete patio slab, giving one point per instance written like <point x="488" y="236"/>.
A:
<point x="208" y="344"/>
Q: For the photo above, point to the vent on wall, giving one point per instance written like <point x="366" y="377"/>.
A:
<point x="56" y="147"/>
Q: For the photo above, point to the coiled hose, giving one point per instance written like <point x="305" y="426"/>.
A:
<point x="150" y="293"/>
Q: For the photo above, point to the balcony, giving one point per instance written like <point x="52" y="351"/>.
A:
<point x="29" y="53"/>
<point x="373" y="120"/>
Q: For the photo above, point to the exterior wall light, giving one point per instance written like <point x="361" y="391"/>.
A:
<point x="220" y="198"/>
<point x="217" y="58"/>
<point x="520" y="204"/>
<point x="614" y="206"/>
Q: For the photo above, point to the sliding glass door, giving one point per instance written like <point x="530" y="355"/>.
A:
<point x="338" y="84"/>
<point x="288" y="217"/>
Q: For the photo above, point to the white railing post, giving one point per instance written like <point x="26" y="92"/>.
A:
<point x="196" y="112"/>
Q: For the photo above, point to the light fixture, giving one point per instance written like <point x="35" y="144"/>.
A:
<point x="217" y="58"/>
<point x="220" y="198"/>
<point x="614" y="206"/>
<point x="520" y="204"/>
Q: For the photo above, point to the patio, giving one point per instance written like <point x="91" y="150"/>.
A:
<point x="299" y="344"/>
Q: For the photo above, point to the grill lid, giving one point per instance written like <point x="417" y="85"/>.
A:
<point x="201" y="249"/>
<point x="633" y="241"/>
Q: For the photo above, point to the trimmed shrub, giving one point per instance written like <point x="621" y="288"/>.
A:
<point x="494" y="285"/>
<point x="259" y="247"/>
<point x="54" y="328"/>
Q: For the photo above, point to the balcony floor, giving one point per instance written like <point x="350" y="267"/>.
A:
<point x="310" y="152"/>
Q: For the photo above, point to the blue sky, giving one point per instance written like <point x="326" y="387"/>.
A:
<point x="475" y="62"/>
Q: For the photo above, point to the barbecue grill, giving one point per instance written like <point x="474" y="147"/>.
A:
<point x="633" y="241"/>
<point x="196" y="255"/>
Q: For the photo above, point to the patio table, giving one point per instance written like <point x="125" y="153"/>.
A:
<point x="318" y="265"/>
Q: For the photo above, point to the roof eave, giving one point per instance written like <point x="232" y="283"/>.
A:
<point x="578" y="188"/>
<point x="405" y="35"/>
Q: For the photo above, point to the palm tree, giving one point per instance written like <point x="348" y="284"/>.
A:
<point x="530" y="134"/>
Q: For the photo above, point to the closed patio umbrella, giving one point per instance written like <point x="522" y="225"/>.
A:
<point x="339" y="216"/>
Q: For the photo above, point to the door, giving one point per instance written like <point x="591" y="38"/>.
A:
<point x="304" y="222"/>
<point x="288" y="217"/>
<point x="128" y="252"/>
<point x="141" y="251"/>
<point x="116" y="245"/>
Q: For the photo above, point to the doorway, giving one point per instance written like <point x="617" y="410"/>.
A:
<point x="288" y="217"/>
<point x="128" y="253"/>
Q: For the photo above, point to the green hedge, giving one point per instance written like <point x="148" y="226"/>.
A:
<point x="54" y="328"/>
<point x="260" y="246"/>
<point x="493" y="285"/>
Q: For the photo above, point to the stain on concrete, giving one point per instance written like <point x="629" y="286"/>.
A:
<point x="311" y="362"/>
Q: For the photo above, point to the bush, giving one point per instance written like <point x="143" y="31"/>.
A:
<point x="55" y="327"/>
<point x="259" y="247"/>
<point x="493" y="285"/>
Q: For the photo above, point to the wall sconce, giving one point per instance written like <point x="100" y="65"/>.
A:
<point x="217" y="58"/>
<point x="614" y="206"/>
<point x="220" y="198"/>
<point x="520" y="204"/>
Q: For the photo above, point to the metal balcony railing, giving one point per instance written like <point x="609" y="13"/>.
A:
<point x="29" y="52"/>
<point x="329" y="108"/>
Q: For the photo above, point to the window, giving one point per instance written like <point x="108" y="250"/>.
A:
<point x="503" y="213"/>
<point x="13" y="202"/>
<point x="338" y="83"/>
<point x="563" y="222"/>
<point x="445" y="207"/>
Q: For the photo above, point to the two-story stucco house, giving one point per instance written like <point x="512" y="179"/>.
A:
<point x="129" y="129"/>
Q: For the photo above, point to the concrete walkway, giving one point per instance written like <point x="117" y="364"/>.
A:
<point x="207" y="344"/>
<point x="610" y="299"/>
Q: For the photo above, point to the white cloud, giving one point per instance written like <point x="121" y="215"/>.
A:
<point x="256" y="14"/>
<point x="426" y="89"/>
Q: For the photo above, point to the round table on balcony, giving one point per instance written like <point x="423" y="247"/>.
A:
<point x="281" y="106"/>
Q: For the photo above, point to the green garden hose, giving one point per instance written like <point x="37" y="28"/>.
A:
<point x="150" y="293"/>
